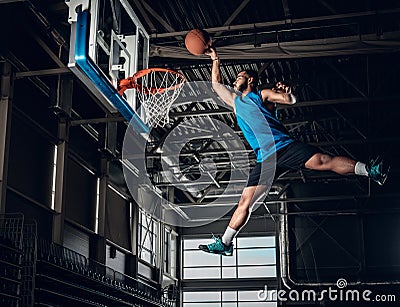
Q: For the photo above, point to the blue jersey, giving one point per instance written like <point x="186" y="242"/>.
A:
<point x="261" y="128"/>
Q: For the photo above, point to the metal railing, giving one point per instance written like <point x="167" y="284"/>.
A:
<point x="11" y="229"/>
<point x="29" y="247"/>
<point x="71" y="260"/>
<point x="11" y="235"/>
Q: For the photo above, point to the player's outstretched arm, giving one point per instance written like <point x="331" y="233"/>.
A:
<point x="222" y="91"/>
<point x="281" y="94"/>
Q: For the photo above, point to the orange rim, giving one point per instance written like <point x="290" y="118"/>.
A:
<point x="131" y="82"/>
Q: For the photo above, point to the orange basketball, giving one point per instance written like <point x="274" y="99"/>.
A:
<point x="197" y="41"/>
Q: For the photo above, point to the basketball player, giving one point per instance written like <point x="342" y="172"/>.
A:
<point x="289" y="153"/>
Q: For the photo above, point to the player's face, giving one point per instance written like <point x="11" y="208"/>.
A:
<point x="240" y="83"/>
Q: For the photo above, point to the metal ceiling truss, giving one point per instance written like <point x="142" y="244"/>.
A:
<point x="273" y="24"/>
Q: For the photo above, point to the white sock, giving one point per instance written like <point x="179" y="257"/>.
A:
<point x="360" y="169"/>
<point x="228" y="236"/>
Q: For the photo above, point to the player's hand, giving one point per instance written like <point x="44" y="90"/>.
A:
<point x="212" y="53"/>
<point x="282" y="88"/>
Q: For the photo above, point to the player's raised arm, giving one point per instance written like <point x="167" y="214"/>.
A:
<point x="223" y="92"/>
<point x="281" y="94"/>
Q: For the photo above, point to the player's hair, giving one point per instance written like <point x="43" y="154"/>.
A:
<point x="253" y="74"/>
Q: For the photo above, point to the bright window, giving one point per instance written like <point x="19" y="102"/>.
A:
<point x="225" y="299"/>
<point x="148" y="234"/>
<point x="254" y="257"/>
<point x="170" y="244"/>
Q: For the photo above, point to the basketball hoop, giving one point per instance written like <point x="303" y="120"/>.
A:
<point x="157" y="89"/>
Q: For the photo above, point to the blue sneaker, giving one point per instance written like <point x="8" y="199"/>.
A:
<point x="376" y="171"/>
<point x="217" y="247"/>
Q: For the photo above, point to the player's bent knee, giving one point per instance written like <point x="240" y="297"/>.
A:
<point x="318" y="160"/>
<point x="325" y="159"/>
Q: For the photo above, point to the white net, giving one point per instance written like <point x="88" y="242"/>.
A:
<point x="157" y="90"/>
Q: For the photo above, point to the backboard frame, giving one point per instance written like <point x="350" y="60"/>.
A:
<point x="126" y="52"/>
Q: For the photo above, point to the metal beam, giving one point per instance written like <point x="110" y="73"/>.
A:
<point x="42" y="72"/>
<point x="190" y="154"/>
<point x="301" y="104"/>
<point x="328" y="135"/>
<point x="286" y="10"/>
<point x="126" y="4"/>
<point x="357" y="142"/>
<point x="48" y="27"/>
<point x="333" y="239"/>
<point x="363" y="265"/>
<point x="145" y="16"/>
<point x="160" y="19"/>
<point x="327" y="102"/>
<point x="308" y="237"/>
<point x="223" y="29"/>
<point x="60" y="180"/>
<point x="79" y="122"/>
<point x="319" y="144"/>
<point x="200" y="113"/>
<point x="222" y="182"/>
<point x="188" y="196"/>
<point x="115" y="13"/>
<point x="268" y="24"/>
<point x="6" y="91"/>
<point x="349" y="122"/>
<point x="287" y="200"/>
<point x="63" y="102"/>
<point x="36" y="81"/>
<point x="330" y="8"/>
<point x="176" y="124"/>
<point x="233" y="16"/>
<point x="300" y="49"/>
<point x="10" y="1"/>
<point x="236" y="12"/>
<point x="62" y="107"/>
<point x="209" y="188"/>
<point x="101" y="209"/>
<point x="46" y="48"/>
<point x="263" y="68"/>
<point x="342" y="75"/>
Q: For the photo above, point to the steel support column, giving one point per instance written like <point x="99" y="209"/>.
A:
<point x="98" y="252"/>
<point x="63" y="98"/>
<point x="6" y="89"/>
<point x="60" y="180"/>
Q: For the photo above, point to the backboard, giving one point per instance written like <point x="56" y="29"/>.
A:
<point x="118" y="44"/>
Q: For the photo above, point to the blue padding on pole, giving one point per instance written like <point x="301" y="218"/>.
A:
<point x="86" y="64"/>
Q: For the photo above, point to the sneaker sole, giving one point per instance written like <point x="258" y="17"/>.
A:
<point x="384" y="177"/>
<point x="381" y="183"/>
<point x="211" y="252"/>
<point x="223" y="254"/>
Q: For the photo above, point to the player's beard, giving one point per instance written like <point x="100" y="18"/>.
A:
<point x="240" y="87"/>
